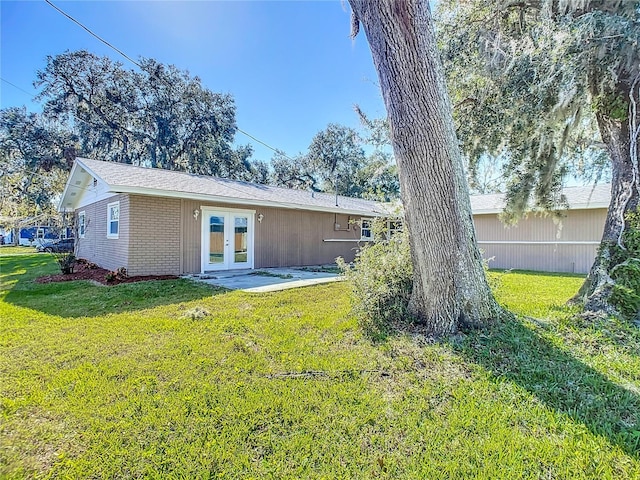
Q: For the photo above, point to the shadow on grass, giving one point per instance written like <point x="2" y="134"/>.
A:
<point x="81" y="298"/>
<point x="516" y="353"/>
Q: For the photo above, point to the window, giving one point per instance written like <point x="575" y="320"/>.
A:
<point x="40" y="232"/>
<point x="393" y="227"/>
<point x="81" y="224"/>
<point x="113" y="219"/>
<point x="366" y="229"/>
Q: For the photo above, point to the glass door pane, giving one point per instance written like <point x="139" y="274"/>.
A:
<point x="216" y="240"/>
<point x="240" y="237"/>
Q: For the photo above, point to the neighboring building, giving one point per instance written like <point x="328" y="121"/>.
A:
<point x="540" y="242"/>
<point x="154" y="221"/>
<point x="38" y="233"/>
<point x="6" y="236"/>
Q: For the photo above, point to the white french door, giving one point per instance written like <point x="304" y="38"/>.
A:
<point x="227" y="239"/>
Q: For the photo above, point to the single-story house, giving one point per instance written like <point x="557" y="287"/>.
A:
<point x="154" y="221"/>
<point x="542" y="242"/>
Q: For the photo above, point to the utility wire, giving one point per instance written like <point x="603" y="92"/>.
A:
<point x="17" y="87"/>
<point x="280" y="152"/>
<point x="94" y="34"/>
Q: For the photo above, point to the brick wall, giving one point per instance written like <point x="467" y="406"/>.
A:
<point x="109" y="253"/>
<point x="154" y="235"/>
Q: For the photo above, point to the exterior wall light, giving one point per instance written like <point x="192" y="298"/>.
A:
<point x="196" y="212"/>
<point x="260" y="217"/>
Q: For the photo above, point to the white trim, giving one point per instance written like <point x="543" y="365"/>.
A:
<point x="575" y="206"/>
<point x="109" y="220"/>
<point x="344" y="240"/>
<point x="370" y="228"/>
<point x="83" y="225"/>
<point x="526" y="242"/>
<point x="237" y="201"/>
<point x="205" y="266"/>
<point x="211" y="208"/>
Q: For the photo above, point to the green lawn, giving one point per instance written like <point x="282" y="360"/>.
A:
<point x="117" y="382"/>
<point x="11" y="250"/>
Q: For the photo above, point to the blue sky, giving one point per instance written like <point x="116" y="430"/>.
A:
<point x="290" y="65"/>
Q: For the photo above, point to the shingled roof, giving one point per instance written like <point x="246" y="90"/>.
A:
<point x="591" y="196"/>
<point x="122" y="178"/>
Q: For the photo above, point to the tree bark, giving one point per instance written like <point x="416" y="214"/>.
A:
<point x="625" y="189"/>
<point x="449" y="284"/>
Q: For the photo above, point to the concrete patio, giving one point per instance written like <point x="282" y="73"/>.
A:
<point x="267" y="279"/>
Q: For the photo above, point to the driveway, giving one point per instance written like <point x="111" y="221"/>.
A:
<point x="268" y="279"/>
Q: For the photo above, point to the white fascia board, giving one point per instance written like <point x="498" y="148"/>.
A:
<point x="67" y="186"/>
<point x="589" y="206"/>
<point x="73" y="175"/>
<point x="232" y="200"/>
<point x="576" y="206"/>
<point x="486" y="211"/>
<point x="87" y="169"/>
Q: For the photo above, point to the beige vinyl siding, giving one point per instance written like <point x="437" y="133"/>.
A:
<point x="155" y="234"/>
<point x="285" y="237"/>
<point x="297" y="237"/>
<point x="542" y="243"/>
<point x="161" y="236"/>
<point x="109" y="253"/>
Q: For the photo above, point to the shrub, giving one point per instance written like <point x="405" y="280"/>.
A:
<point x="625" y="295"/>
<point x="381" y="280"/>
<point x="89" y="265"/>
<point x="196" y="313"/>
<point x="66" y="261"/>
<point x="119" y="274"/>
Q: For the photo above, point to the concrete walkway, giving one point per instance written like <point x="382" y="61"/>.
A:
<point x="267" y="279"/>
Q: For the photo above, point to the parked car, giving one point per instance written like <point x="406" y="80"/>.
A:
<point x="56" y="246"/>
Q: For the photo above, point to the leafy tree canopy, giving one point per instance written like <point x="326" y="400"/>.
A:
<point x="337" y="161"/>
<point x="159" y="116"/>
<point x="35" y="155"/>
<point x="534" y="81"/>
<point x="529" y="80"/>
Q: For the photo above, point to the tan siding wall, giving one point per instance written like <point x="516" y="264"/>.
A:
<point x="283" y="238"/>
<point x="109" y="253"/>
<point x="165" y="238"/>
<point x="155" y="236"/>
<point x="546" y="258"/>
<point x="295" y="237"/>
<point x="577" y="226"/>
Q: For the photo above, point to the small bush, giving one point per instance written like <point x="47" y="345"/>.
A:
<point x="625" y="295"/>
<point x="66" y="261"/>
<point x="196" y="313"/>
<point x="89" y="265"/>
<point x="381" y="279"/>
<point x="119" y="274"/>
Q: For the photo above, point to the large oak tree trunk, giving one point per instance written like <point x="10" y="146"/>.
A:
<point x="450" y="288"/>
<point x="625" y="188"/>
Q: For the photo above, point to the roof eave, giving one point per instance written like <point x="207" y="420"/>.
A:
<point x="577" y="206"/>
<point x="237" y="201"/>
<point x="67" y="185"/>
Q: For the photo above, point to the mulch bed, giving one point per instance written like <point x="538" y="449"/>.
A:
<point x="87" y="271"/>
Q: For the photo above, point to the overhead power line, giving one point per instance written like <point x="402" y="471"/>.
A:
<point x="108" y="44"/>
<point x="94" y="34"/>
<point x="280" y="152"/>
<point x="19" y="88"/>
